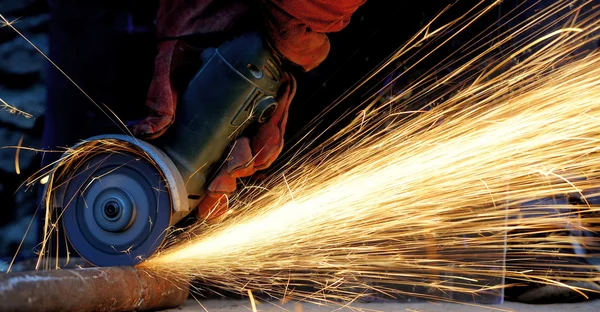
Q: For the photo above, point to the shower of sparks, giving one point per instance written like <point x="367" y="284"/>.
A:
<point x="440" y="201"/>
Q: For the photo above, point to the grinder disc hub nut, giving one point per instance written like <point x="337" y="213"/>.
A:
<point x="114" y="210"/>
<point x="265" y="107"/>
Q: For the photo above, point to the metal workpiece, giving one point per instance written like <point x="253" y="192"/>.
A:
<point x="89" y="289"/>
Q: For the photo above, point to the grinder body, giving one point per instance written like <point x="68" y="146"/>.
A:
<point x="118" y="195"/>
<point x="234" y="88"/>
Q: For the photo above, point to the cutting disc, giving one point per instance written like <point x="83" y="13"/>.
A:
<point x="116" y="204"/>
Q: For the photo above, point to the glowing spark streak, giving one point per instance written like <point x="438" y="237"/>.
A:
<point x="13" y="110"/>
<point x="12" y="261"/>
<point x="252" y="302"/>
<point x="17" y="167"/>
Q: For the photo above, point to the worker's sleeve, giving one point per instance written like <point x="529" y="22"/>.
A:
<point x="298" y="28"/>
<point x="175" y="20"/>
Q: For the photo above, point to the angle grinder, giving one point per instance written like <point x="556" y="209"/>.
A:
<point x="117" y="195"/>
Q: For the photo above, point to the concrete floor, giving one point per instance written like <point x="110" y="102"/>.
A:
<point x="235" y="305"/>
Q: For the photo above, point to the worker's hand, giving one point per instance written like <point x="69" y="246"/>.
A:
<point x="296" y="29"/>
<point x="249" y="154"/>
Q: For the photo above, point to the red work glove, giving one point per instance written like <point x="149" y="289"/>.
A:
<point x="250" y="154"/>
<point x="296" y="30"/>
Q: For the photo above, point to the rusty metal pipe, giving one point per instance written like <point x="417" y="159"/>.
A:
<point x="89" y="289"/>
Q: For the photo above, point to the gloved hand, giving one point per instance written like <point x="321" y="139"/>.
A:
<point x="296" y="31"/>
<point x="248" y="155"/>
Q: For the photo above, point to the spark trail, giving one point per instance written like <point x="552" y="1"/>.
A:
<point x="13" y="110"/>
<point x="397" y="201"/>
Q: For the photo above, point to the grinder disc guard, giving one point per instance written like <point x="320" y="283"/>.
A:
<point x="115" y="201"/>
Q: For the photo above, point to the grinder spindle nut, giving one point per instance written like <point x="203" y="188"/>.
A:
<point x="265" y="107"/>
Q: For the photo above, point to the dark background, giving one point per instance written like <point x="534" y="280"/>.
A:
<point x="107" y="47"/>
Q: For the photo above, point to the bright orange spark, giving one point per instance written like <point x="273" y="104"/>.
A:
<point x="17" y="151"/>
<point x="13" y="110"/>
